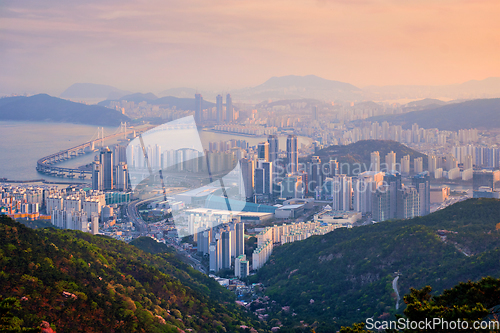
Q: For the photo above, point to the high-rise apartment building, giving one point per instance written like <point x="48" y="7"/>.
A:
<point x="241" y="266"/>
<point x="375" y="161"/>
<point x="219" y="110"/>
<point x="408" y="203"/>
<point x="405" y="165"/>
<point x="422" y="183"/>
<point x="334" y="167"/>
<point x="390" y="161"/>
<point x="381" y="204"/>
<point x="315" y="173"/>
<point x="229" y="109"/>
<point x="342" y="192"/>
<point x="198" y="108"/>
<point x="432" y="161"/>
<point x="394" y="185"/>
<point x="292" y="154"/>
<point x="240" y="239"/>
<point x="418" y="165"/>
<point x="364" y="186"/>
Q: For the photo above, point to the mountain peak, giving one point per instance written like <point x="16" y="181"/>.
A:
<point x="308" y="82"/>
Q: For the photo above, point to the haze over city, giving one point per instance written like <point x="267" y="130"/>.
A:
<point x="152" y="46"/>
<point x="309" y="166"/>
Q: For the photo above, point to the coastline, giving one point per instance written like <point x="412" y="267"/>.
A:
<point x="44" y="181"/>
<point x="235" y="133"/>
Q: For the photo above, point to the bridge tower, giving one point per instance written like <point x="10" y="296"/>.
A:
<point x="123" y="129"/>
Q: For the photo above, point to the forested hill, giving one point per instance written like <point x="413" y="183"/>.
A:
<point x="346" y="276"/>
<point x="478" y="113"/>
<point x="358" y="154"/>
<point x="43" y="107"/>
<point x="84" y="283"/>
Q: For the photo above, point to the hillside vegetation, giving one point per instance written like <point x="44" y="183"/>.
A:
<point x="357" y="155"/>
<point x="84" y="283"/>
<point x="346" y="276"/>
<point x="149" y="245"/>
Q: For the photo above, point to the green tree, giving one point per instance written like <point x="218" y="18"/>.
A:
<point x="9" y="320"/>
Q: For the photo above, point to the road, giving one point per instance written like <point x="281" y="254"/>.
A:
<point x="136" y="218"/>
<point x="395" y="287"/>
<point x="142" y="228"/>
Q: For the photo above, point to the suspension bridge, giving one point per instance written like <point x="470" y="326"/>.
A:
<point x="48" y="164"/>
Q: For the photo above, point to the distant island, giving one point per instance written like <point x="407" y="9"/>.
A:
<point x="43" y="107"/>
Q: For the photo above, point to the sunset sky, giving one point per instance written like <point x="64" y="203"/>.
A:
<point x="225" y="44"/>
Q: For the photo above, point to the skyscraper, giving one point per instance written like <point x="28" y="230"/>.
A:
<point x="97" y="176"/>
<point x="198" y="108"/>
<point x="264" y="178"/>
<point x="240" y="239"/>
<point x="263" y="151"/>
<point x="314" y="112"/>
<point x="315" y="175"/>
<point x="247" y="173"/>
<point x="226" y="249"/>
<point x="229" y="109"/>
<point x="106" y="160"/>
<point x="268" y="176"/>
<point x="273" y="148"/>
<point x="292" y="154"/>
<point x="259" y="180"/>
<point x="393" y="181"/>
<point x="219" y="113"/>
<point x="122" y="176"/>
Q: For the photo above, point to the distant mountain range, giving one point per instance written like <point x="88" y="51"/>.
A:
<point x="167" y="101"/>
<point x="473" y="89"/>
<point x="479" y="113"/>
<point x="297" y="87"/>
<point x="182" y="92"/>
<point x="93" y="91"/>
<point x="310" y="87"/>
<point x="43" y="107"/>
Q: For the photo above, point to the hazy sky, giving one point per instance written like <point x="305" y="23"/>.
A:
<point x="45" y="46"/>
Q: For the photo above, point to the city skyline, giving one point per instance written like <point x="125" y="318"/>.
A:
<point x="229" y="45"/>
